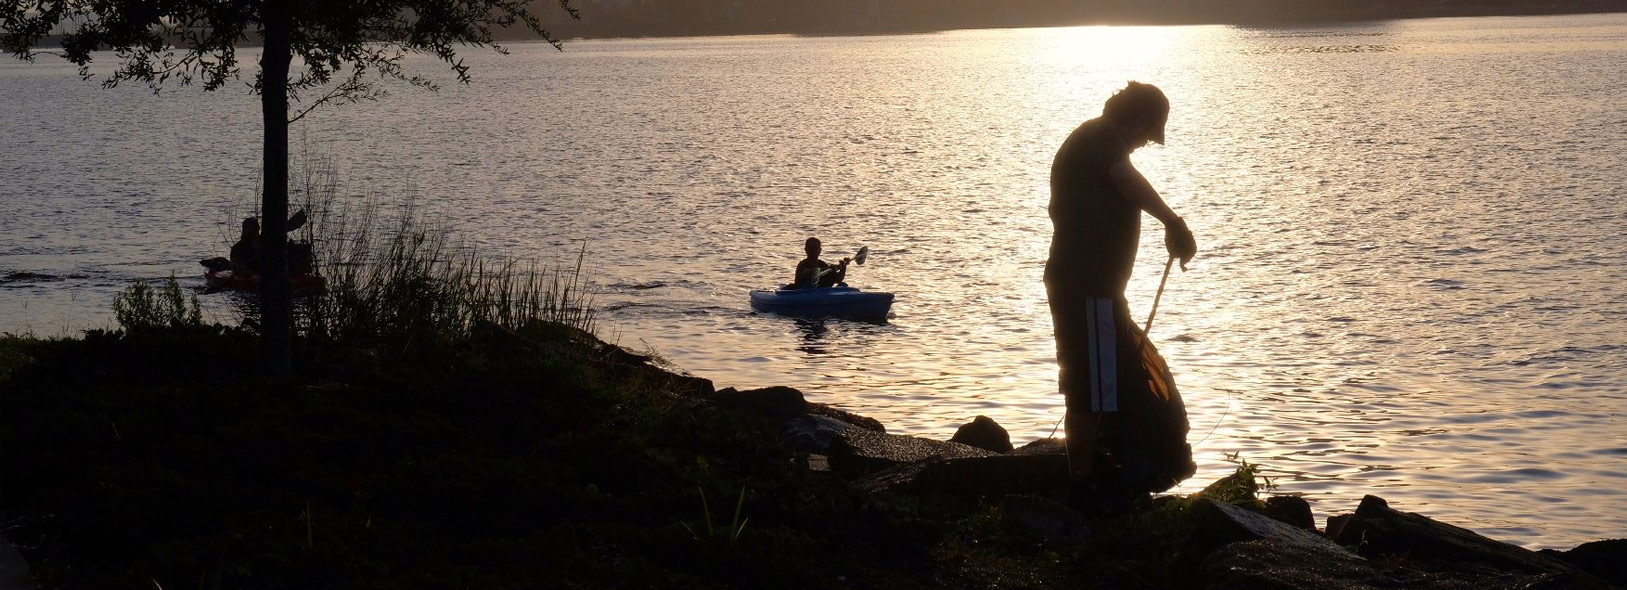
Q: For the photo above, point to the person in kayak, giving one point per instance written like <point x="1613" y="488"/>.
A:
<point x="1097" y="197"/>
<point x="245" y="254"/>
<point x="811" y="272"/>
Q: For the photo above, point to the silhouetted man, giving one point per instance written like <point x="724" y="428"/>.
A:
<point x="1097" y="197"/>
<point x="811" y="271"/>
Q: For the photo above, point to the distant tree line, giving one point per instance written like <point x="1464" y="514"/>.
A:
<point x="607" y="18"/>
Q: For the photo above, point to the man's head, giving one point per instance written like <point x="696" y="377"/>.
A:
<point x="251" y="227"/>
<point x="811" y="247"/>
<point x="1140" y="109"/>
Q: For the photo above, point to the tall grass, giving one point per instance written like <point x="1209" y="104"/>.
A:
<point x="399" y="276"/>
<point x="141" y="307"/>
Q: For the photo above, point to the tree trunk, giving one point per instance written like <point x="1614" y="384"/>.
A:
<point x="276" y="298"/>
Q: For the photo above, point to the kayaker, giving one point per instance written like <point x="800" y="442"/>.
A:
<point x="1097" y="197"/>
<point x="811" y="271"/>
<point x="245" y="255"/>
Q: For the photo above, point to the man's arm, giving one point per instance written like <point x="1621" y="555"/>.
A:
<point x="1177" y="238"/>
<point x="1135" y="186"/>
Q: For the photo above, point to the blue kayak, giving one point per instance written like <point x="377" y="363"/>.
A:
<point x="846" y="302"/>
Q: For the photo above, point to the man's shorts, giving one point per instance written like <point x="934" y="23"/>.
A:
<point x="1089" y="334"/>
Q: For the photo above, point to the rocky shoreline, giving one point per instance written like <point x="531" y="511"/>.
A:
<point x="1270" y="544"/>
<point x="509" y="455"/>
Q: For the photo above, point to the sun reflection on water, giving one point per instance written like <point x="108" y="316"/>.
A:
<point x="1409" y="277"/>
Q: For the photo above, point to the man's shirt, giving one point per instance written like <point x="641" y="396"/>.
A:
<point x="1096" y="228"/>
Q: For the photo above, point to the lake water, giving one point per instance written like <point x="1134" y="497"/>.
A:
<point x="1412" y="249"/>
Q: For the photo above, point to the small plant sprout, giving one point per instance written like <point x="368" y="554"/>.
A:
<point x="737" y="525"/>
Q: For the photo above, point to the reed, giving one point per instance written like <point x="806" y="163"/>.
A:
<point x="399" y="275"/>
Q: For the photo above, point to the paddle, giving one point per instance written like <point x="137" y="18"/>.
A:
<point x="297" y="221"/>
<point x="864" y="252"/>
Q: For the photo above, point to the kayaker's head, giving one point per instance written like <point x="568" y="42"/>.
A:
<point x="251" y="228"/>
<point x="812" y="247"/>
<point x="1139" y="111"/>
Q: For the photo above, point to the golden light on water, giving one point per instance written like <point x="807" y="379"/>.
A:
<point x="1098" y="46"/>
<point x="1384" y="281"/>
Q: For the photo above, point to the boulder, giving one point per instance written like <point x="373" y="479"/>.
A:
<point x="778" y="404"/>
<point x="1336" y="525"/>
<point x="1278" y="564"/>
<point x="811" y="433"/>
<point x="1044" y="518"/>
<point x="1216" y="524"/>
<point x="657" y="375"/>
<point x="1605" y="559"/>
<point x="984" y="433"/>
<point x="1043" y="446"/>
<point x="830" y="411"/>
<point x="975" y="476"/>
<point x="14" y="573"/>
<point x="857" y="451"/>
<point x="1274" y="564"/>
<point x="1292" y="510"/>
<point x="1378" y="530"/>
<point x="560" y="341"/>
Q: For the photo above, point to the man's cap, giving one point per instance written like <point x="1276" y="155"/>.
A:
<point x="1139" y="100"/>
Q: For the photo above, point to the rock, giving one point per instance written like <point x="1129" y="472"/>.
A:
<point x="1605" y="559"/>
<point x="1216" y="524"/>
<point x="975" y="476"/>
<point x="1292" y="510"/>
<point x="658" y="373"/>
<point x="14" y="573"/>
<point x="1043" y="446"/>
<point x="775" y="403"/>
<point x="1378" y="530"/>
<point x="858" y="451"/>
<point x="658" y="376"/>
<point x="817" y="462"/>
<point x="1336" y="525"/>
<point x="984" y="433"/>
<point x="561" y="341"/>
<point x="1276" y="564"/>
<point x="1045" y="518"/>
<point x="1273" y="564"/>
<point x="813" y="434"/>
<point x="830" y="411"/>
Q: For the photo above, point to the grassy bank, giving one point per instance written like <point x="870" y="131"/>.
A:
<point x="535" y="458"/>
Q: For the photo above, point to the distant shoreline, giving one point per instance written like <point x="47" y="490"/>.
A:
<point x="589" y="31"/>
<point x="570" y="31"/>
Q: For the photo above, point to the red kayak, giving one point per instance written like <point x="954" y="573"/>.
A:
<point x="226" y="280"/>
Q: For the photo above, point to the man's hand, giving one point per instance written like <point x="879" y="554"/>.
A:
<point x="844" y="261"/>
<point x="1179" y="241"/>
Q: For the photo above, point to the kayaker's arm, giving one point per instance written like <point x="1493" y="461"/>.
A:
<point x="840" y="270"/>
<point x="807" y="274"/>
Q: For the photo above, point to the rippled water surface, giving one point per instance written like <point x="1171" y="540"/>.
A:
<point x="1412" y="266"/>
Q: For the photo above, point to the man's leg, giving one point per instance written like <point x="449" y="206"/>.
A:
<point x="1084" y="491"/>
<point x="1086" y="354"/>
